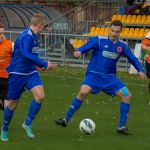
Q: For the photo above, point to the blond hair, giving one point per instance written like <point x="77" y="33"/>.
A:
<point x="38" y="19"/>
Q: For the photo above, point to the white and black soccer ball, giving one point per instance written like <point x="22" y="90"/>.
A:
<point x="87" y="126"/>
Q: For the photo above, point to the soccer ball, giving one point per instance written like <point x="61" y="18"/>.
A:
<point x="87" y="126"/>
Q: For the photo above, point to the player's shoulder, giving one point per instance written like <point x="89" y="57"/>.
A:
<point x="6" y="41"/>
<point x="123" y="43"/>
<point x="103" y="37"/>
<point x="93" y="39"/>
<point x="103" y="40"/>
<point x="28" y="34"/>
<point x="99" y="39"/>
<point x="96" y="40"/>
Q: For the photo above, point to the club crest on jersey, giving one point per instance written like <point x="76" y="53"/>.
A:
<point x="119" y="49"/>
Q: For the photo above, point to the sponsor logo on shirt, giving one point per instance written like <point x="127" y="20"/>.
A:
<point x="35" y="50"/>
<point x="110" y="55"/>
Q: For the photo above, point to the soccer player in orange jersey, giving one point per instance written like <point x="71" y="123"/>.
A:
<point x="146" y="46"/>
<point x="6" y="48"/>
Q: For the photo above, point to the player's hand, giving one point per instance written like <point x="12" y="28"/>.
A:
<point x="142" y="75"/>
<point x="39" y="68"/>
<point x="77" y="54"/>
<point x="50" y="66"/>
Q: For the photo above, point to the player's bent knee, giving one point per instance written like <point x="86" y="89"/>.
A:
<point x="127" y="98"/>
<point x="39" y="97"/>
<point x="126" y="94"/>
<point x="83" y="93"/>
<point x="12" y="104"/>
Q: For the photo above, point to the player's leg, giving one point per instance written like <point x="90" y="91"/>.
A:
<point x="75" y="105"/>
<point x="4" y="91"/>
<point x="1" y="95"/>
<point x="148" y="74"/>
<point x="3" y="104"/>
<point x="115" y="87"/>
<point x="35" y="106"/>
<point x="8" y="114"/>
<point x="77" y="101"/>
<point x="35" y="85"/>
<point x="15" y="89"/>
<point x="149" y="87"/>
<point x="125" y="96"/>
<point x="89" y="85"/>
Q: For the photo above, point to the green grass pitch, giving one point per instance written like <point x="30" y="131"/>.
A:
<point x="61" y="85"/>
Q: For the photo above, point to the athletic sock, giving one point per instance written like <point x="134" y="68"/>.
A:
<point x="8" y="113"/>
<point x="76" y="104"/>
<point x="33" y="110"/>
<point x="124" y="110"/>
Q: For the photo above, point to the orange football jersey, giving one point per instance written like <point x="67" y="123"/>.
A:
<point x="6" y="48"/>
<point x="146" y="42"/>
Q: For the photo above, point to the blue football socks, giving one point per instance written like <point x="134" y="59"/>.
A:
<point x="124" y="110"/>
<point x="8" y="113"/>
<point x="33" y="110"/>
<point x="76" y="104"/>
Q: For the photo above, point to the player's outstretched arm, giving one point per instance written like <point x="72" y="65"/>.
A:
<point x="133" y="60"/>
<point x="92" y="44"/>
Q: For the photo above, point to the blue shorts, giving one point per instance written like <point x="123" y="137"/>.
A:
<point x="17" y="83"/>
<point x="106" y="83"/>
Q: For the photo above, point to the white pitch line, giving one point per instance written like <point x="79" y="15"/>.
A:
<point x="75" y="78"/>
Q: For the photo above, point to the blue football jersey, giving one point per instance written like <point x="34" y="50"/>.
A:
<point x="106" y="54"/>
<point x="25" y="55"/>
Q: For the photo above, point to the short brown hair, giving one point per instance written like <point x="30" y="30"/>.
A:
<point x="1" y="25"/>
<point x="38" y="19"/>
<point x="116" y="23"/>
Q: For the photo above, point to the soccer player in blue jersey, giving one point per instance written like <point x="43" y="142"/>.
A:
<point x="23" y="74"/>
<point x="101" y="74"/>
